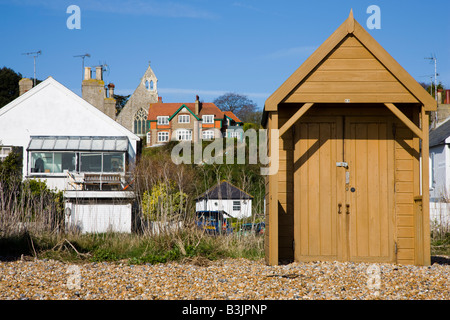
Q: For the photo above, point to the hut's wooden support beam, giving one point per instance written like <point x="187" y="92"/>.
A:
<point x="405" y="120"/>
<point x="425" y="189"/>
<point x="295" y="117"/>
<point x="272" y="222"/>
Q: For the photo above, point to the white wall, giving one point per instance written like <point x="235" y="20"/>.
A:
<point x="227" y="206"/>
<point x="439" y="157"/>
<point x="99" y="218"/>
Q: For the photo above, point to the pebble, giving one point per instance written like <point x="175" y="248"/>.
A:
<point x="234" y="279"/>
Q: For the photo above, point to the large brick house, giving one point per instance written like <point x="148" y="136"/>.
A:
<point x="193" y="121"/>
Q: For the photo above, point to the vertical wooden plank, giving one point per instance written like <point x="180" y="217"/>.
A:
<point x="417" y="219"/>
<point x="373" y="189"/>
<point x="325" y="194"/>
<point x="425" y="189"/>
<point x="314" y="200"/>
<point x="360" y="213"/>
<point x="304" y="183"/>
<point x="350" y="154"/>
<point x="297" y="190"/>
<point x="385" y="158"/>
<point x="272" y="258"/>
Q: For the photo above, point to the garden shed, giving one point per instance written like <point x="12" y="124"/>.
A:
<point x="352" y="181"/>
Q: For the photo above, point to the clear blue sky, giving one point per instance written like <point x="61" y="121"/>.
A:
<point x="210" y="47"/>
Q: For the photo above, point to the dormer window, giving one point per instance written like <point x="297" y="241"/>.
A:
<point x="208" y="119"/>
<point x="163" y="120"/>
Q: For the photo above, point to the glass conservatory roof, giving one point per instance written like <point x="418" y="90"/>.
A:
<point x="78" y="143"/>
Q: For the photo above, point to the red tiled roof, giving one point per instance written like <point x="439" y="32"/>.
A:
<point x="168" y="109"/>
<point x="231" y="115"/>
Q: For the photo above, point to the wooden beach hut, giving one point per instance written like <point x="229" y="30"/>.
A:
<point x="352" y="182"/>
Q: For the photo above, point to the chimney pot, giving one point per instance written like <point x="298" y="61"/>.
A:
<point x="87" y="73"/>
<point x="159" y="99"/>
<point x="98" y="73"/>
<point x="111" y="87"/>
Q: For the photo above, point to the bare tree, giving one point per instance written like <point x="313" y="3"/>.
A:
<point x="239" y="104"/>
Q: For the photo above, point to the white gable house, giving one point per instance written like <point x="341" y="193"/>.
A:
<point x="225" y="196"/>
<point x="440" y="174"/>
<point x="75" y="148"/>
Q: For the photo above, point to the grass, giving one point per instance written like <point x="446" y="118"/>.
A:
<point x="440" y="243"/>
<point x="151" y="249"/>
<point x="132" y="248"/>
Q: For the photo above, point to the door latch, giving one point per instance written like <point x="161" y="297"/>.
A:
<point x="339" y="208"/>
<point x="347" y="210"/>
<point x="342" y="164"/>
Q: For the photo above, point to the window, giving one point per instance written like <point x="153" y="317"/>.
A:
<point x="140" y="122"/>
<point x="113" y="162"/>
<point x="208" y="119"/>
<point x="184" y="135"/>
<point x="163" y="120"/>
<point x="91" y="162"/>
<point x="163" y="136"/>
<point x="208" y="135"/>
<point x="234" y="133"/>
<point x="184" y="118"/>
<point x="4" y="152"/>
<point x="102" y="162"/>
<point x="236" y="205"/>
<point x="52" y="162"/>
<point x="149" y="85"/>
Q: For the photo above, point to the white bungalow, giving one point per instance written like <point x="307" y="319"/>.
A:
<point x="76" y="148"/>
<point x="227" y="197"/>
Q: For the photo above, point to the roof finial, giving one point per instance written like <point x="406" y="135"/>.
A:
<point x="350" y="22"/>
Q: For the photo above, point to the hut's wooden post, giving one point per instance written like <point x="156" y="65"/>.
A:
<point x="425" y="189"/>
<point x="272" y="219"/>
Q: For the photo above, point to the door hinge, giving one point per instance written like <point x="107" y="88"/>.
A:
<point x="396" y="248"/>
<point x="293" y="245"/>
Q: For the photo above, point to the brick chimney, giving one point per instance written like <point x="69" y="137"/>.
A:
<point x="197" y="105"/>
<point x="160" y="99"/>
<point x="111" y="87"/>
<point x="25" y="84"/>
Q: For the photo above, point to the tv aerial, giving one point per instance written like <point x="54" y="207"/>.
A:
<point x="35" y="55"/>
<point x="82" y="56"/>
<point x="433" y="57"/>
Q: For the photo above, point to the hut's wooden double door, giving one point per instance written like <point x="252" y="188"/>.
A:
<point x="343" y="188"/>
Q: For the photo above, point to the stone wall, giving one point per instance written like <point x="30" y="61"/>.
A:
<point x="140" y="99"/>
